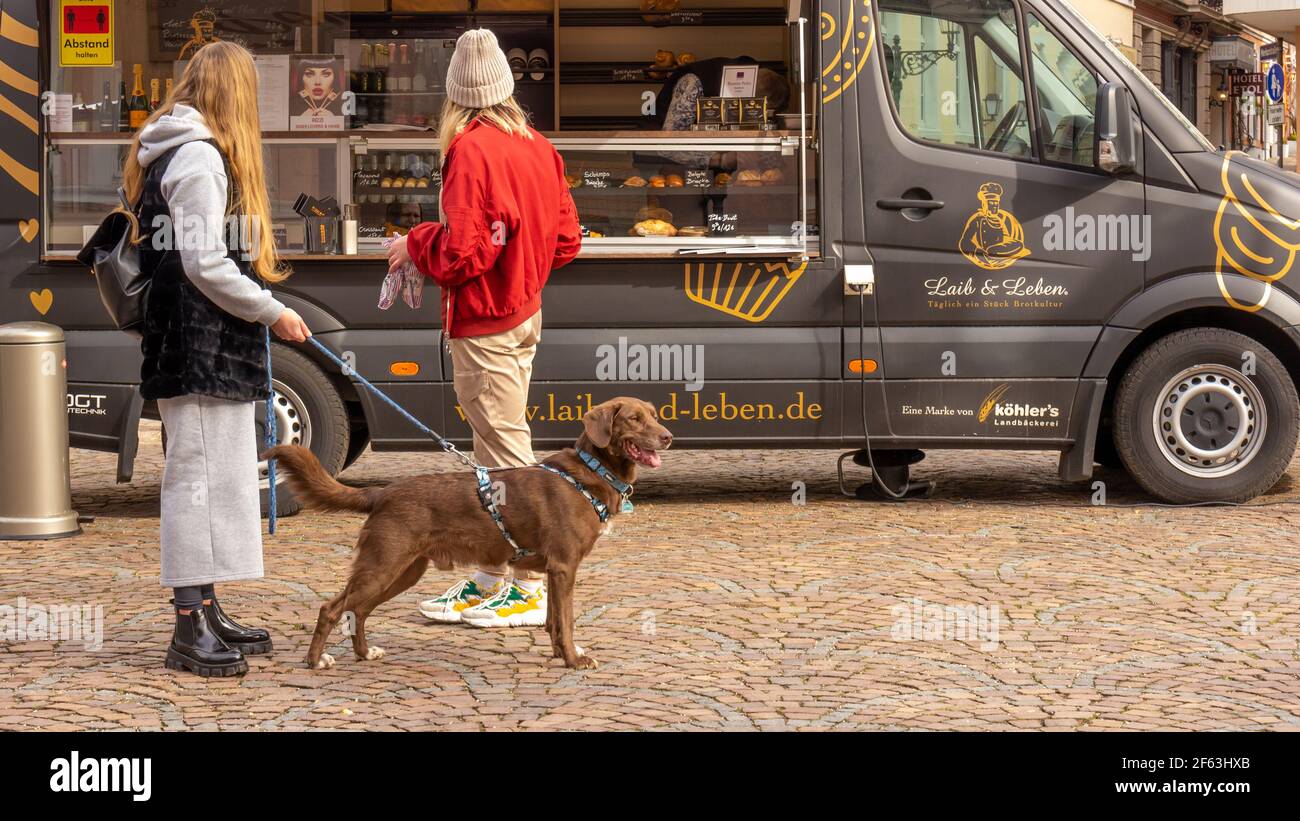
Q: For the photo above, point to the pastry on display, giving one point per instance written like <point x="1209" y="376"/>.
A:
<point x="658" y="11"/>
<point x="773" y="175"/>
<point x="674" y="181"/>
<point x="658" y="182"/>
<point x="651" y="212"/>
<point x="665" y="62"/>
<point x="574" y="180"/>
<point x="685" y="58"/>
<point x="693" y="231"/>
<point x="722" y="180"/>
<point x="749" y="178"/>
<point x="654" y="228"/>
<point x="634" y="182"/>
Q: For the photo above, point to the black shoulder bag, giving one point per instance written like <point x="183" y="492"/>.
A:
<point x="115" y="260"/>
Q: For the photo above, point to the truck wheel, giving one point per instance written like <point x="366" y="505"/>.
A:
<point x="1193" y="426"/>
<point x="308" y="412"/>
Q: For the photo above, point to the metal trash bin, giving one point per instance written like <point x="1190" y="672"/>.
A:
<point x="35" y="488"/>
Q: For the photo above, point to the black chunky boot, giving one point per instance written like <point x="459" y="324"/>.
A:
<point x="248" y="640"/>
<point x="196" y="647"/>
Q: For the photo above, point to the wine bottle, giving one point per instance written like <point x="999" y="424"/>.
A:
<point x="363" y="86"/>
<point x="123" y="113"/>
<point x="107" y="114"/>
<point x="420" y="79"/>
<point x="167" y="90"/>
<point x="138" y="105"/>
<point x="382" y="87"/>
<point x="155" y="99"/>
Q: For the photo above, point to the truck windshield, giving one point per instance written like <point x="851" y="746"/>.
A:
<point x="1133" y="77"/>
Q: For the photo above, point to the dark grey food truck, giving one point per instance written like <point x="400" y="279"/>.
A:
<point x="973" y="224"/>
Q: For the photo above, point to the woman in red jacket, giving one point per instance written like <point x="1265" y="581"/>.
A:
<point x="507" y="221"/>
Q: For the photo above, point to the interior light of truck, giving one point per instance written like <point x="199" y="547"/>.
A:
<point x="404" y="368"/>
<point x="862" y="365"/>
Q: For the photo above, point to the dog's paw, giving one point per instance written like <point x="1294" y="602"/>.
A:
<point x="582" y="651"/>
<point x="374" y="653"/>
<point x="583" y="662"/>
<point x="325" y="662"/>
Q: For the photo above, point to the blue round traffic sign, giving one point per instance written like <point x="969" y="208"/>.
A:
<point x="1276" y="83"/>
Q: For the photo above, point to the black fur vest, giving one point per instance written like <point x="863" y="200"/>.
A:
<point x="190" y="345"/>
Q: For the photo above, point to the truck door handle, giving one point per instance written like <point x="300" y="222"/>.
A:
<point x="907" y="205"/>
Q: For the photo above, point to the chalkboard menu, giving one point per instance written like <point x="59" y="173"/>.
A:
<point x="178" y="28"/>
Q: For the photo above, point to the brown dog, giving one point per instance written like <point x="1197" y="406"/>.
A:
<point x="439" y="519"/>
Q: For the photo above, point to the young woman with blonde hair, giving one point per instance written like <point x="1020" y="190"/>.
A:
<point x="194" y="173"/>
<point x="507" y="221"/>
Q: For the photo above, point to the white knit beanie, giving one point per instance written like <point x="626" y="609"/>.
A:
<point x="479" y="74"/>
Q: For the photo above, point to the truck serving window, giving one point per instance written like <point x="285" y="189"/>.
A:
<point x="955" y="79"/>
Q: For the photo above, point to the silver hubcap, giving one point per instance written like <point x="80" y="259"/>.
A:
<point x="1210" y="421"/>
<point x="292" y="425"/>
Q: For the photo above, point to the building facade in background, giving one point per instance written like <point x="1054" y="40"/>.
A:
<point x="1191" y="50"/>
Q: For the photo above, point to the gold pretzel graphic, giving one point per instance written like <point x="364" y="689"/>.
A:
<point x="1261" y="249"/>
<point x="755" y="294"/>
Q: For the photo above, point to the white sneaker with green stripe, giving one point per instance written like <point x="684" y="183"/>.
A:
<point x="461" y="596"/>
<point x="512" y="606"/>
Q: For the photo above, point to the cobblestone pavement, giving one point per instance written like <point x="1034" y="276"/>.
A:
<point x="1007" y="602"/>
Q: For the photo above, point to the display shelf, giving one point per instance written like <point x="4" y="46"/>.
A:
<point x="625" y="73"/>
<point x="612" y="17"/>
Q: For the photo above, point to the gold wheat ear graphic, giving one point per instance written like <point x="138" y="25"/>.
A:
<point x="1253" y="239"/>
<point x="746" y="290"/>
<point x="991" y="401"/>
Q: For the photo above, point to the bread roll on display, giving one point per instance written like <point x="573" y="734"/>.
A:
<point x="749" y="178"/>
<point x="693" y="231"/>
<point x="634" y="182"/>
<point x="674" y="181"/>
<point x="658" y="182"/>
<point x="772" y="176"/>
<point x="574" y="180"/>
<point x="654" y="228"/>
<point x="651" y="212"/>
<point x="722" y="180"/>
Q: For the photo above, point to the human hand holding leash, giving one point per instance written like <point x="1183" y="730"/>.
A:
<point x="291" y="327"/>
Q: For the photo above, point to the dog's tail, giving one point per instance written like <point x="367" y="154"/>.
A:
<point x="316" y="488"/>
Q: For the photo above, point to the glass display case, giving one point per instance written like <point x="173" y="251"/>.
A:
<point x="651" y="193"/>
<point x="394" y="186"/>
<point x="83" y="174"/>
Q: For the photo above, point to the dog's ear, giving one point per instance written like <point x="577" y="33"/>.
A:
<point x="599" y="423"/>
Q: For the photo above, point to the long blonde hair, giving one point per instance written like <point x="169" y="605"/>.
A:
<point x="220" y="82"/>
<point x="505" y="115"/>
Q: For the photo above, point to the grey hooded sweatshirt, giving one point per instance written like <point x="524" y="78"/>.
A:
<point x="195" y="184"/>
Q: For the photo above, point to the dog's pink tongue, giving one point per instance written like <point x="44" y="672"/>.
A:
<point x="651" y="458"/>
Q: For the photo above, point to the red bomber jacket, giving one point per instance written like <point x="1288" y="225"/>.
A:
<point x="509" y="221"/>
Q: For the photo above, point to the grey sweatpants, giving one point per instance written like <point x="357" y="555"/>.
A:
<point x="211" y="518"/>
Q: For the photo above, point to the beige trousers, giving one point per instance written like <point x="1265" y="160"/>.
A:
<point x="491" y="375"/>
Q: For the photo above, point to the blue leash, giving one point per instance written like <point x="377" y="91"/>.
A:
<point x="270" y="437"/>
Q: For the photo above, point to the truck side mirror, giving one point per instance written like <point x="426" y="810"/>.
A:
<point x="1116" y="146"/>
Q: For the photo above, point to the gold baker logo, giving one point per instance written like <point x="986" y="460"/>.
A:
<point x="993" y="238"/>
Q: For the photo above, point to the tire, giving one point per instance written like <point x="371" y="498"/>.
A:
<point x="309" y="412"/>
<point x="1220" y="435"/>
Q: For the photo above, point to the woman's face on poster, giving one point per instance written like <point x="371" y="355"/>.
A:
<point x="318" y="81"/>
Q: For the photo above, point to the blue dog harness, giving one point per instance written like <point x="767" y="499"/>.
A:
<point x="602" y="510"/>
